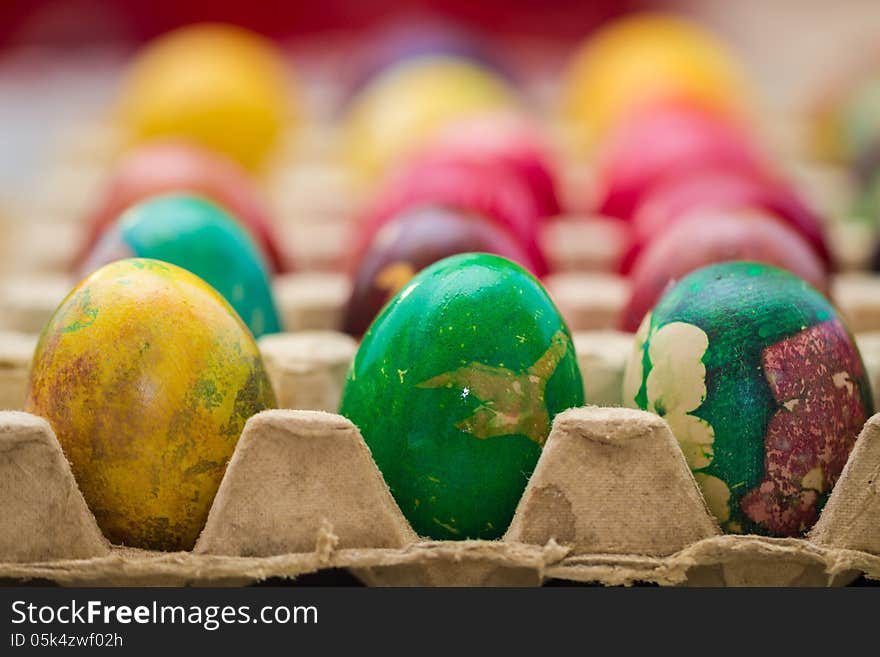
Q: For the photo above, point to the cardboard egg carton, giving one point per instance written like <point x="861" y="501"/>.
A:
<point x="36" y="244"/>
<point x="308" y="369"/>
<point x="857" y="296"/>
<point x="589" y="301"/>
<point x="611" y="501"/>
<point x="602" y="357"/>
<point x="312" y="300"/>
<point x="583" y="243"/>
<point x="16" y="352"/>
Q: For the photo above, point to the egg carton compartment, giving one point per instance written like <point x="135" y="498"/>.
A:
<point x="583" y="243"/>
<point x="16" y="352"/>
<point x="311" y="300"/>
<point x="589" y="301"/>
<point x="602" y="357"/>
<point x="857" y="296"/>
<point x="308" y="368"/>
<point x="610" y="501"/>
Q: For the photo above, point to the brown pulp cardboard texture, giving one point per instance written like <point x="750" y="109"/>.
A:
<point x="602" y="356"/>
<point x="284" y="456"/>
<point x="311" y="300"/>
<point x="16" y="352"/>
<point x="628" y="459"/>
<point x="308" y="368"/>
<point x="611" y="501"/>
<point x="45" y="517"/>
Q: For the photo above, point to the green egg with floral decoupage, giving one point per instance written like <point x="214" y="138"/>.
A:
<point x="763" y="387"/>
<point x="454" y="389"/>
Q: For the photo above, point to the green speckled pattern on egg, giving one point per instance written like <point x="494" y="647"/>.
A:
<point x="454" y="389"/>
<point x="761" y="384"/>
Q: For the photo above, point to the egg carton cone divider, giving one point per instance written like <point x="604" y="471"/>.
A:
<point x="611" y="501"/>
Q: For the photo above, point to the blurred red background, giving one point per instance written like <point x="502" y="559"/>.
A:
<point x="84" y="22"/>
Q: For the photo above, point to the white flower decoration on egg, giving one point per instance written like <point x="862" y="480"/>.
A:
<point x="676" y="384"/>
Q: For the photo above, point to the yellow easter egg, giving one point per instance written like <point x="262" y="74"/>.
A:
<point x="218" y="85"/>
<point x="644" y="58"/>
<point x="405" y="105"/>
<point x="147" y="377"/>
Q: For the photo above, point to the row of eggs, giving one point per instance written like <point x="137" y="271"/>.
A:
<point x="226" y="89"/>
<point x="198" y="81"/>
<point x="147" y="376"/>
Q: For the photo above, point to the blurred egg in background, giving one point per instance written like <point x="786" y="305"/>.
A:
<point x="218" y="85"/>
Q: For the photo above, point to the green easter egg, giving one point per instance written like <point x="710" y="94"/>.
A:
<point x="197" y="235"/>
<point x="763" y="387"/>
<point x="454" y="389"/>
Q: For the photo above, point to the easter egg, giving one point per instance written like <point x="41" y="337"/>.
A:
<point x="409" y="243"/>
<point x="147" y="377"/>
<point x="643" y="58"/>
<point x="762" y="385"/>
<point x="454" y="388"/>
<point x="486" y="188"/>
<point x="724" y="190"/>
<point x="218" y="85"/>
<point x="177" y="166"/>
<point x="663" y="142"/>
<point x="402" y="107"/>
<point x="706" y="237"/>
<point x="193" y="233"/>
<point x="506" y="138"/>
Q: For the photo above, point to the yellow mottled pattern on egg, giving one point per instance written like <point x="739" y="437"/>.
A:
<point x="147" y="377"/>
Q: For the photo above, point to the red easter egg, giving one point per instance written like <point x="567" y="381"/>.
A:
<point x="408" y="243"/>
<point x="722" y="190"/>
<point x="175" y="166"/>
<point x="672" y="140"/>
<point x="483" y="188"/>
<point x="711" y="236"/>
<point x="505" y="138"/>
